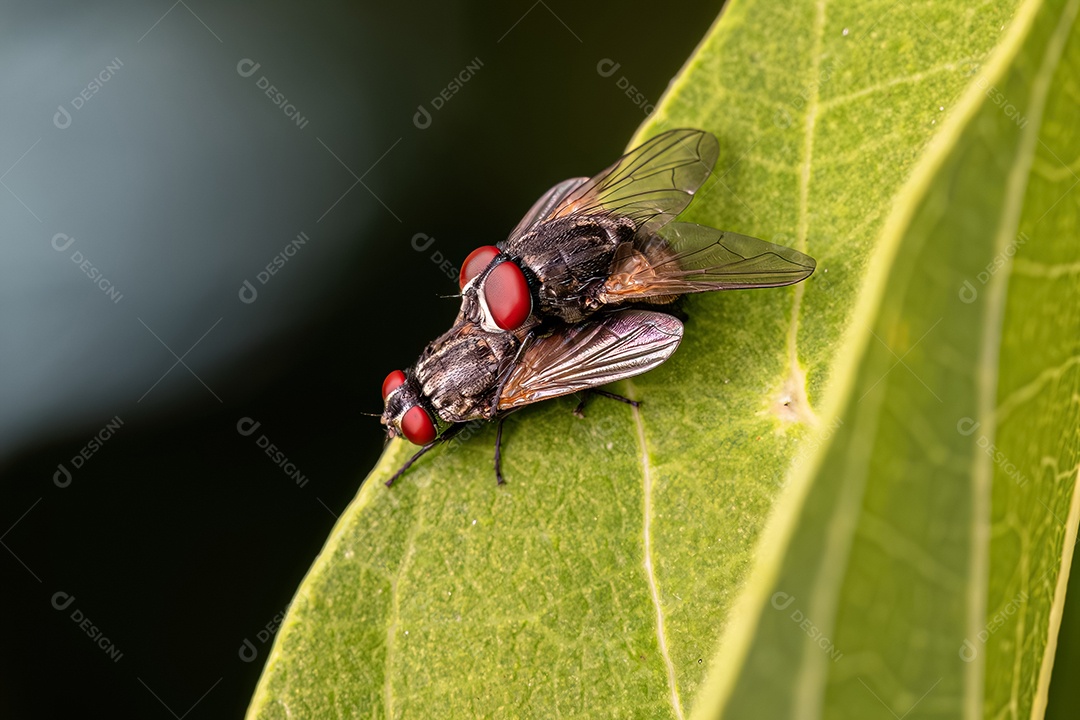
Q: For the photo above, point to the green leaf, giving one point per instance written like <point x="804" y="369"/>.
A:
<point x="919" y="563"/>
<point x="818" y="441"/>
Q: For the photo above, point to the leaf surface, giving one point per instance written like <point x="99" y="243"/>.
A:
<point x="919" y="562"/>
<point x="600" y="580"/>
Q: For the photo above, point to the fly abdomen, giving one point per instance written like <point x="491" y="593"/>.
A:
<point x="634" y="269"/>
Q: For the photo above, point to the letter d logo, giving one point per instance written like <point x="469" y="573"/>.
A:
<point x="966" y="426"/>
<point x="248" y="652"/>
<point x="246" y="426"/>
<point x="62" y="477"/>
<point x="248" y="293"/>
<point x="247" y="67"/>
<point x="422" y="118"/>
<point x="61" y="242"/>
<point x="421" y="241"/>
<point x="782" y="600"/>
<point x="782" y="119"/>
<point x="606" y="67"/>
<point x="62" y="118"/>
<point x="62" y="601"/>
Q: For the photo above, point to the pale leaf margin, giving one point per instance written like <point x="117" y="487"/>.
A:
<point x="390" y="460"/>
<point x="739" y="632"/>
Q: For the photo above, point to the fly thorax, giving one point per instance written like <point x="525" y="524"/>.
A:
<point x="460" y="374"/>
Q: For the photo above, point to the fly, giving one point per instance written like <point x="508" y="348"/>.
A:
<point x="571" y="299"/>
<point x="471" y="374"/>
<point x="592" y="244"/>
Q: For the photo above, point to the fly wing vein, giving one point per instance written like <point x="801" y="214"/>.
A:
<point x="577" y="357"/>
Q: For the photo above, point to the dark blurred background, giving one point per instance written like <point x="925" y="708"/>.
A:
<point x="148" y="181"/>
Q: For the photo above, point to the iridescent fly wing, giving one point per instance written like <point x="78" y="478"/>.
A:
<point x="585" y="355"/>
<point x="543" y="207"/>
<point x="686" y="258"/>
<point x="651" y="184"/>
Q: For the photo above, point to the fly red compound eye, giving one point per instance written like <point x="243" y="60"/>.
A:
<point x="392" y="382"/>
<point x="478" y="259"/>
<point x="507" y="295"/>
<point x="417" y="427"/>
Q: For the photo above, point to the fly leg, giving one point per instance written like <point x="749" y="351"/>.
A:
<point x="454" y="430"/>
<point x="409" y="462"/>
<point x="498" y="453"/>
<point x="495" y="407"/>
<point x="509" y="369"/>
<point x="579" y="411"/>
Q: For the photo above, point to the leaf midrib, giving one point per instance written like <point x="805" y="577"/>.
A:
<point x="808" y="682"/>
<point x="650" y="575"/>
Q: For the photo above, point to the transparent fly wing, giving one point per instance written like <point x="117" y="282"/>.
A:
<point x="651" y="184"/>
<point x="543" y="207"/>
<point x="686" y="258"/>
<point x="589" y="354"/>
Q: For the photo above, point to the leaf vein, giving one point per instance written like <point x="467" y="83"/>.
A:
<point x="987" y="379"/>
<point x="1043" y="271"/>
<point x="650" y="575"/>
<point x="395" y="613"/>
<point x="1028" y="391"/>
<point x="893" y="82"/>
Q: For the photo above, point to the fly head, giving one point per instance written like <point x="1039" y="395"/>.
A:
<point x="407" y="412"/>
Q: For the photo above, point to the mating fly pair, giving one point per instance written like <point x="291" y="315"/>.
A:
<point x="573" y="298"/>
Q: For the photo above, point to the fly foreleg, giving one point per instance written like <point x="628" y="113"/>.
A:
<point x="450" y="433"/>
